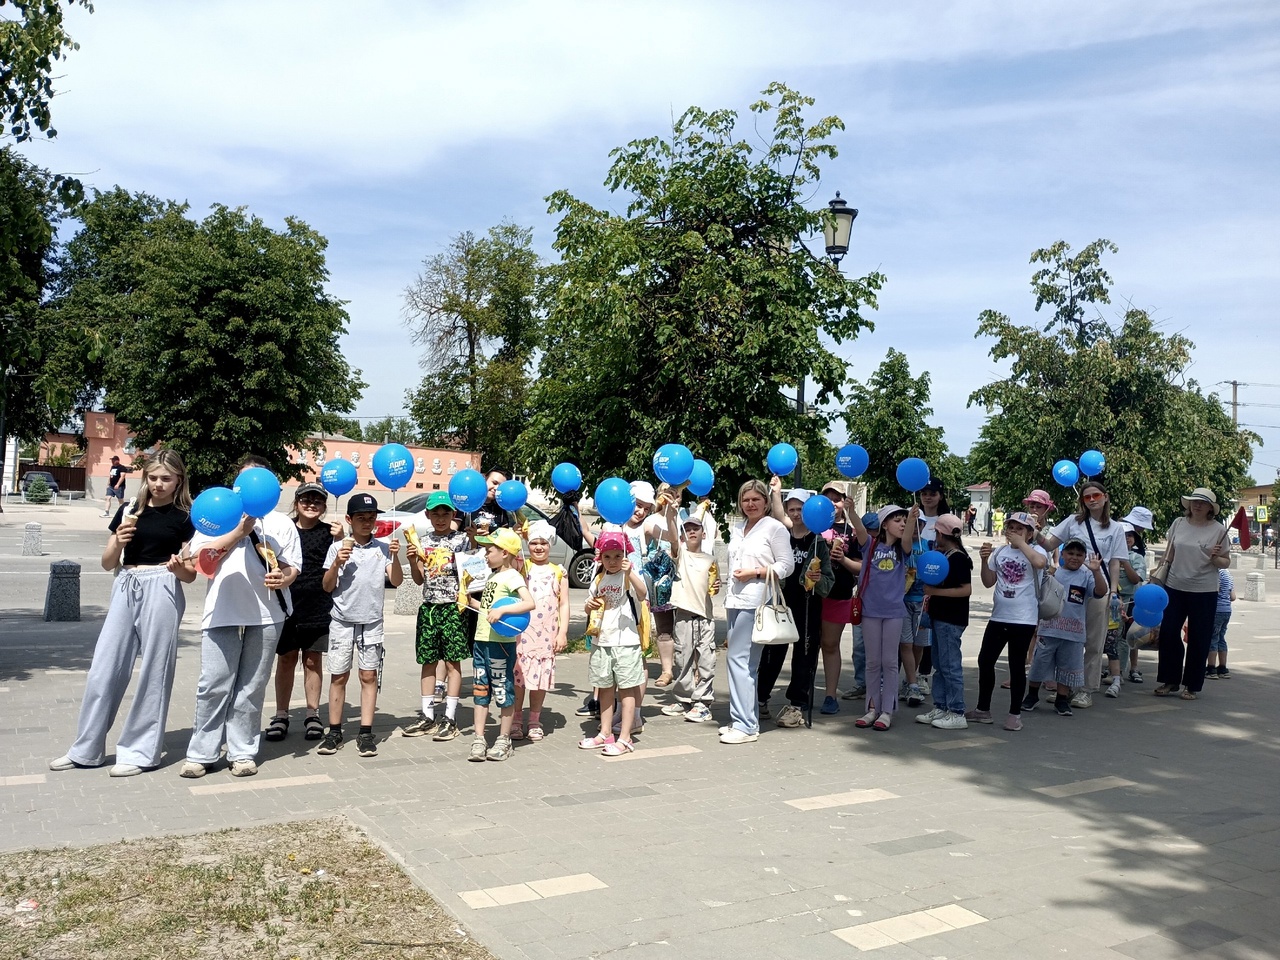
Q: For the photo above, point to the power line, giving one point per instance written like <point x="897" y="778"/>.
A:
<point x="1261" y="426"/>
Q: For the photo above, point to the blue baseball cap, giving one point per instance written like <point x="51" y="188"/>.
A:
<point x="871" y="521"/>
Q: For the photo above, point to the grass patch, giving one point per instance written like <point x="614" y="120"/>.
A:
<point x="317" y="889"/>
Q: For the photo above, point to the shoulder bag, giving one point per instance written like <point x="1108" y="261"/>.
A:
<point x="1050" y="595"/>
<point x="774" y="622"/>
<point x="1161" y="573"/>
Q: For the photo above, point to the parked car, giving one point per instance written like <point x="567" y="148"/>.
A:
<point x="577" y="564"/>
<point x="30" y="475"/>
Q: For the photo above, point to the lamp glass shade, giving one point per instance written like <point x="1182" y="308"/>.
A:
<point x="837" y="228"/>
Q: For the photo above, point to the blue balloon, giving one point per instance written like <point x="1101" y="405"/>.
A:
<point x="468" y="490"/>
<point x="782" y="459"/>
<point x="819" y="514"/>
<point x="932" y="567"/>
<point x="216" y="511"/>
<point x="393" y="465"/>
<point x="338" y="477"/>
<point x="673" y="462"/>
<point x="701" y="479"/>
<point x="913" y="474"/>
<point x="566" y="478"/>
<point x="1092" y="463"/>
<point x="1066" y="473"/>
<point x="1152" y="596"/>
<point x="614" y="501"/>
<point x="259" y="491"/>
<point x="513" y="624"/>
<point x="512" y="495"/>
<point x="1146" y="617"/>
<point x="852" y="460"/>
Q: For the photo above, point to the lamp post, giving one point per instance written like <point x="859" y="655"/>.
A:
<point x="4" y="437"/>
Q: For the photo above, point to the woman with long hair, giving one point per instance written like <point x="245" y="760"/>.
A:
<point x="148" y="536"/>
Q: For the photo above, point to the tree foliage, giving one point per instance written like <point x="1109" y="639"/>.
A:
<point x="888" y="415"/>
<point x="30" y="43"/>
<point x="216" y="337"/>
<point x="1069" y="283"/>
<point x="1124" y="393"/>
<point x="473" y="309"/>
<point x="390" y="430"/>
<point x="685" y="317"/>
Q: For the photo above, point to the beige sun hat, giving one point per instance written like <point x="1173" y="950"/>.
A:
<point x="1203" y="494"/>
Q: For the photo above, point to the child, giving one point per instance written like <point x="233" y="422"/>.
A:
<point x="695" y="631"/>
<point x="1132" y="575"/>
<point x="246" y="606"/>
<point x="548" y="632"/>
<point x="1015" y="612"/>
<point x="493" y="658"/>
<point x="1060" y="650"/>
<point x="615" y="657"/>
<point x="141" y="624"/>
<point x="948" y="608"/>
<point x="882" y="586"/>
<point x="354" y="570"/>
<point x="441" y="633"/>
<point x="1218" y="645"/>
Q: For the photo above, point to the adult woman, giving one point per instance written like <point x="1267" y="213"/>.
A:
<point x="247" y="602"/>
<point x="757" y="546"/>
<point x="1093" y="524"/>
<point x="1196" y="549"/>
<point x="141" y="625"/>
<point x="306" y="632"/>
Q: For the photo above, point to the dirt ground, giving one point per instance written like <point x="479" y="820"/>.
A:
<point x="304" y="890"/>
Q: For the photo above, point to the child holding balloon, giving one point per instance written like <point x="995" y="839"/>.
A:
<point x="547" y="634"/>
<point x="493" y="658"/>
<point x="882" y="585"/>
<point x="354" y="570"/>
<point x="947" y="603"/>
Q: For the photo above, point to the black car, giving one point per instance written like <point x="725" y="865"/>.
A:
<point x="30" y="475"/>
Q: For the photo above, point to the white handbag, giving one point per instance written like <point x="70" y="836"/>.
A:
<point x="774" y="622"/>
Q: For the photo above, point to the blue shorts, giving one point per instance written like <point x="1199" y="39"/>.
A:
<point x="494" y="665"/>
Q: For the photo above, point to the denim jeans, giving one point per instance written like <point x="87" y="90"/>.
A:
<point x="235" y="664"/>
<point x="948" y="667"/>
<point x="1218" y="642"/>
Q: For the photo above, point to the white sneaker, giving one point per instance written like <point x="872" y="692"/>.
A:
<point x="1113" y="690"/>
<point x="63" y="762"/>
<point x="951" y="721"/>
<point x="698" y="713"/>
<point x="931" y="716"/>
<point x="1082" y="700"/>
<point x="790" y="716"/>
<point x="737" y="736"/>
<point x="673" y="710"/>
<point x="125" y="770"/>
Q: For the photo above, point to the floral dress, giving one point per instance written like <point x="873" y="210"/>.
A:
<point x="536" y="650"/>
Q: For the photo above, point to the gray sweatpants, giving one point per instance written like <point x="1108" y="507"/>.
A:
<point x="695" y="657"/>
<point x="142" y="622"/>
<point x="235" y="664"/>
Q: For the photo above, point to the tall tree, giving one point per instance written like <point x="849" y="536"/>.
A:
<point x="686" y="316"/>
<point x="391" y="430"/>
<point x="1070" y="283"/>
<point x="219" y="336"/>
<point x="473" y="309"/>
<point x="1124" y="393"/>
<point x="888" y="415"/>
<point x="30" y="43"/>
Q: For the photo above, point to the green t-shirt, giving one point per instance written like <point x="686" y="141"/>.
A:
<point x="507" y="583"/>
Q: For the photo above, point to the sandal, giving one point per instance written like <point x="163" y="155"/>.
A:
<point x="1188" y="695"/>
<point x="277" y="728"/>
<point x="664" y="681"/>
<point x="517" y="730"/>
<point x="535" y="731"/>
<point x="1165" y="690"/>
<point x="595" y="743"/>
<point x="618" y="748"/>
<point x="314" y="728"/>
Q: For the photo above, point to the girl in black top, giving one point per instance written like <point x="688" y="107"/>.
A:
<point x="148" y="540"/>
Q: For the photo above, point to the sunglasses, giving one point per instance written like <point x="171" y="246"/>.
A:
<point x="312" y="501"/>
<point x="1093" y="497"/>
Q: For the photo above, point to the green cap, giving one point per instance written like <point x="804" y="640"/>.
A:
<point x="439" y="499"/>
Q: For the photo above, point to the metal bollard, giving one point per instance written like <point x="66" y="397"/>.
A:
<point x="32" y="540"/>
<point x="1255" y="588"/>
<point x="62" y="598"/>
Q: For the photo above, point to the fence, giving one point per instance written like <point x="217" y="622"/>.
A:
<point x="69" y="478"/>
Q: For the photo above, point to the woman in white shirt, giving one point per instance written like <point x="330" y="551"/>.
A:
<point x="756" y="546"/>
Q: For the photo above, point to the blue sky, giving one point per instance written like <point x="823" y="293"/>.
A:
<point x="977" y="132"/>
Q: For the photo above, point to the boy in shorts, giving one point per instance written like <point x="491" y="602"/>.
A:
<point x="441" y="634"/>
<point x="1059" y="655"/>
<point x="354" y="570"/>
<point x="493" y="659"/>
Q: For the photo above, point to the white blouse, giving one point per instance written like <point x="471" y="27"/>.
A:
<point x="768" y="544"/>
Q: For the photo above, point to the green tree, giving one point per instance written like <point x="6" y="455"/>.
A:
<point x="1069" y="283"/>
<point x="30" y="43"/>
<point x="684" y="318"/>
<point x="38" y="490"/>
<point x="217" y="337"/>
<point x="1125" y="393"/>
<point x="391" y="430"/>
<point x="888" y="415"/>
<point x="473" y="309"/>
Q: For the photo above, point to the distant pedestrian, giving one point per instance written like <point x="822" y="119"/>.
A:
<point x="115" y="485"/>
<point x="141" y="627"/>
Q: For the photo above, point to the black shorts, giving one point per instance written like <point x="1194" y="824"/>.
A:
<point x="309" y="639"/>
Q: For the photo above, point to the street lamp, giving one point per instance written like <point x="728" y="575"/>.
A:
<point x="837" y="228"/>
<point x="4" y="437"/>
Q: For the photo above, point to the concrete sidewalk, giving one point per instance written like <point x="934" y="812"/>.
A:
<point x="1141" y="828"/>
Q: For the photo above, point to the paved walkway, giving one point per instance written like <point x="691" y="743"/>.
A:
<point x="1141" y="828"/>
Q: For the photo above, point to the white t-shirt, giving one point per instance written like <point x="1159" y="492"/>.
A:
<point x="1077" y="587"/>
<point x="1111" y="542"/>
<point x="358" y="596"/>
<point x="928" y="535"/>
<point x="236" y="595"/>
<point x="689" y="591"/>
<point x="1014" y="599"/>
<point x="618" y="627"/>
